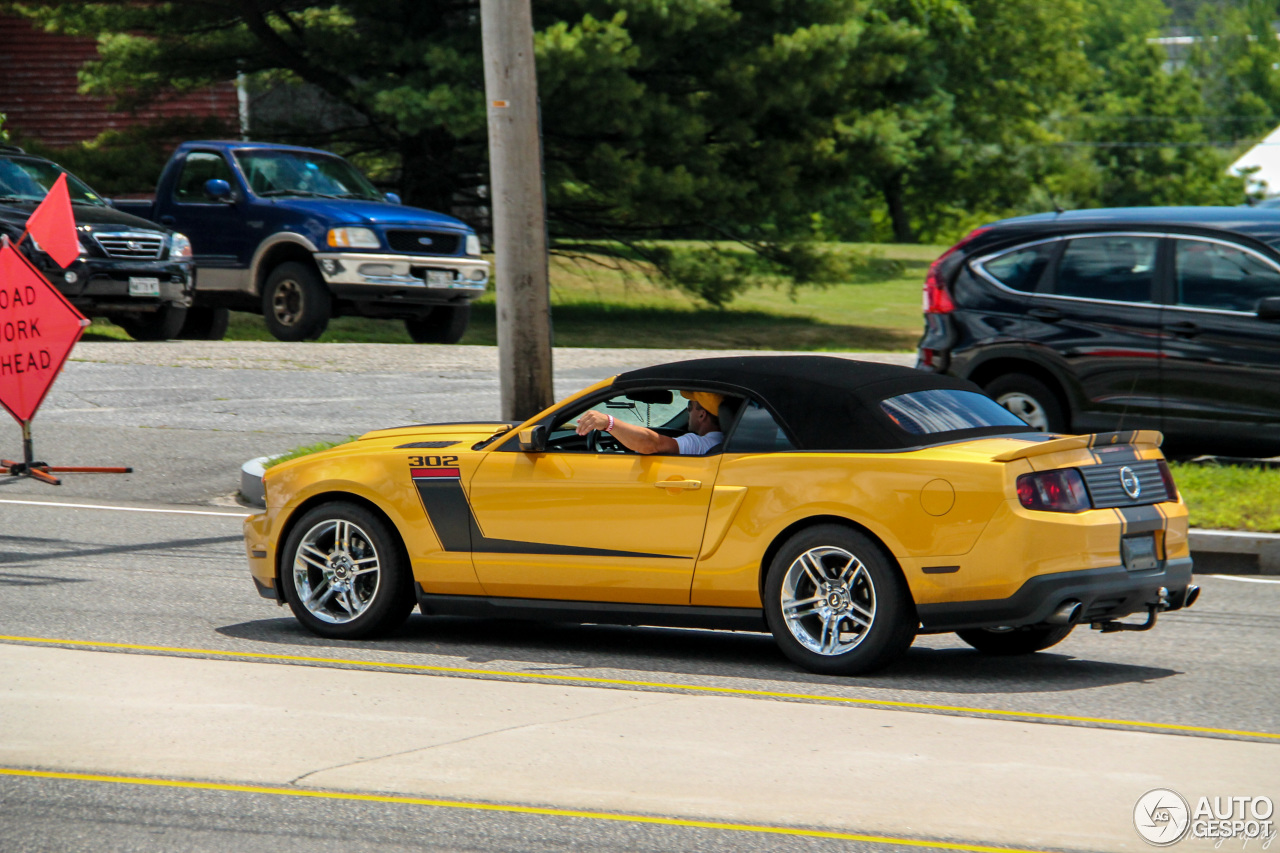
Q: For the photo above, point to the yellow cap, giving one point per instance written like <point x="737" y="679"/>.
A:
<point x="708" y="400"/>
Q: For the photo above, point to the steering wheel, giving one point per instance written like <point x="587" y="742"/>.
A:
<point x="599" y="441"/>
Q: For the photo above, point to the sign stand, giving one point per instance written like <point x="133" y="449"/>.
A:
<point x="42" y="470"/>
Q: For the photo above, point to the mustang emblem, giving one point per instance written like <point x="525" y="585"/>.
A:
<point x="1130" y="483"/>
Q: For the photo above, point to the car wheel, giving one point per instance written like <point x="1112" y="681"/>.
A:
<point x="1029" y="399"/>
<point x="836" y="604"/>
<point x="160" y="325"/>
<point x="1015" y="641"/>
<point x="295" y="303"/>
<point x="446" y="324"/>
<point x="344" y="574"/>
<point x="205" y="324"/>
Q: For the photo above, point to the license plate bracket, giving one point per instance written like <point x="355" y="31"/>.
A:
<point x="1139" y="552"/>
<point x="439" y="278"/>
<point x="144" y="286"/>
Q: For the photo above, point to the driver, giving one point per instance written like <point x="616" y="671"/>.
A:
<point x="704" y="428"/>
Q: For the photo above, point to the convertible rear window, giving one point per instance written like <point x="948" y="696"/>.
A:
<point x="945" y="410"/>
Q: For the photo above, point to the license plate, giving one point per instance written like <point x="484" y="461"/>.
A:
<point x="439" y="278"/>
<point x="144" y="287"/>
<point x="1139" y="553"/>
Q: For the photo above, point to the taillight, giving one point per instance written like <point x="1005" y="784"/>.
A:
<point x="1170" y="488"/>
<point x="1053" y="491"/>
<point x="937" y="300"/>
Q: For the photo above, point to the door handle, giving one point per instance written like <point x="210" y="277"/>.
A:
<point x="167" y="220"/>
<point x="679" y="485"/>
<point x="1185" y="329"/>
<point x="1049" y="315"/>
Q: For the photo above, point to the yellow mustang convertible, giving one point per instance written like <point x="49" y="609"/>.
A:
<point x="846" y="507"/>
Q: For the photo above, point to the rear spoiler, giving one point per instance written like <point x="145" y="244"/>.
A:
<point x="1080" y="442"/>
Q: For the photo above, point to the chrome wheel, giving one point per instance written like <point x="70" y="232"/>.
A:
<point x="1026" y="407"/>
<point x="286" y="302"/>
<point x="828" y="600"/>
<point x="336" y="571"/>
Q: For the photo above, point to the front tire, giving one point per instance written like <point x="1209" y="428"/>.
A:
<point x="836" y="604"/>
<point x="1029" y="399"/>
<point x="1015" y="641"/>
<point x="296" y="305"/>
<point x="205" y="324"/>
<point x="344" y="574"/>
<point x="445" y="324"/>
<point x="163" y="324"/>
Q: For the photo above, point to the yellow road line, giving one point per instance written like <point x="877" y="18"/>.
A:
<point x="507" y="808"/>
<point x="620" y="682"/>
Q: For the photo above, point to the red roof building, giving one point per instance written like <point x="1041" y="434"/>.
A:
<point x="39" y="97"/>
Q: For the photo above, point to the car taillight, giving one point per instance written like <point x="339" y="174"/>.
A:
<point x="1170" y="488"/>
<point x="937" y="300"/>
<point x="1053" y="491"/>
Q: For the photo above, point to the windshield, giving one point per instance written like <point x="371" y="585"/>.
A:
<point x="29" y="179"/>
<point x="304" y="173"/>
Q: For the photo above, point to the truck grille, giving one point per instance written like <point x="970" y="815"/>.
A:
<point x="1107" y="490"/>
<point x="133" y="246"/>
<point x="423" y="242"/>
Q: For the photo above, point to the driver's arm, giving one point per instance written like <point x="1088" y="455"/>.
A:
<point x="632" y="436"/>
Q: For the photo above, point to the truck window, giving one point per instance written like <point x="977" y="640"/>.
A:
<point x="199" y="168"/>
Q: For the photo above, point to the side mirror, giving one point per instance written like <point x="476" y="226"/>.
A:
<point x="534" y="439"/>
<point x="1269" y="308"/>
<point x="393" y="198"/>
<point x="217" y="189"/>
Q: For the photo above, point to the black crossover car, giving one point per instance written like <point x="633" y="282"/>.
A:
<point x="1161" y="318"/>
<point x="131" y="271"/>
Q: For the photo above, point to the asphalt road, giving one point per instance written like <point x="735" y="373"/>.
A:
<point x="176" y="578"/>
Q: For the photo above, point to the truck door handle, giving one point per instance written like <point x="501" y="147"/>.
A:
<point x="167" y="220"/>
<point x="1049" y="315"/>
<point x="1184" y="329"/>
<point x="679" y="485"/>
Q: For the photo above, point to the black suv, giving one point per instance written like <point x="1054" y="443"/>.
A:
<point x="131" y="271"/>
<point x="1161" y="318"/>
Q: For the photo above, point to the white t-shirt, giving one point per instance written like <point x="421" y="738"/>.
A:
<point x="692" y="444"/>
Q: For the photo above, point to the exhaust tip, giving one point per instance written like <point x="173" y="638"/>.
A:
<point x="1193" y="592"/>
<point x="1067" y="613"/>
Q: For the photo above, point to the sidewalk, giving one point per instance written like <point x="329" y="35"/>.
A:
<point x="1235" y="552"/>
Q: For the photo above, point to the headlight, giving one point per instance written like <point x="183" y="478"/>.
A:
<point x="353" y="238"/>
<point x="179" y="247"/>
<point x="473" y="245"/>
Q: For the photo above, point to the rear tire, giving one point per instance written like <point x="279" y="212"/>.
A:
<point x="837" y="604"/>
<point x="1029" y="399"/>
<point x="205" y="324"/>
<point x="296" y="305"/>
<point x="160" y="325"/>
<point x="1015" y="641"/>
<point x="445" y="324"/>
<point x="344" y="573"/>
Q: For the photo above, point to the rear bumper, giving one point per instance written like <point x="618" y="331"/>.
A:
<point x="1107" y="593"/>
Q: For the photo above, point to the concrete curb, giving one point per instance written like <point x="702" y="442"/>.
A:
<point x="1235" y="552"/>
<point x="251" y="488"/>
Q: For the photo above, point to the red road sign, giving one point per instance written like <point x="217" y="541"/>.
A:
<point x="38" y="328"/>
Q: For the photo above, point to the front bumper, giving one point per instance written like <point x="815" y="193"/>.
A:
<point x="1106" y="593"/>
<point x="103" y="285"/>
<point x="429" y="279"/>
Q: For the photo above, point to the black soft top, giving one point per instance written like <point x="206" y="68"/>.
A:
<point x="823" y="402"/>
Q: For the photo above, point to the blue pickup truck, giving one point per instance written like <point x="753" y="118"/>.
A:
<point x="301" y="236"/>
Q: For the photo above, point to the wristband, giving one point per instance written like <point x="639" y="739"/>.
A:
<point x="609" y="428"/>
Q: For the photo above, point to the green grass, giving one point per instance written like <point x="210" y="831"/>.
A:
<point x="1230" y="497"/>
<point x="618" y="305"/>
<point x="305" y="450"/>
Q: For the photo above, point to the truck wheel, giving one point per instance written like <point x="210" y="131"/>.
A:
<point x="446" y="324"/>
<point x="1029" y="399"/>
<point x="205" y="324"/>
<point x="160" y="325"/>
<point x="295" y="303"/>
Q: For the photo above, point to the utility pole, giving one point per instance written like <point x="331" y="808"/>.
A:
<point x="519" y="211"/>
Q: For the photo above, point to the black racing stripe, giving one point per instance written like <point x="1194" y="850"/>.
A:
<point x="1141" y="519"/>
<point x="455" y="524"/>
